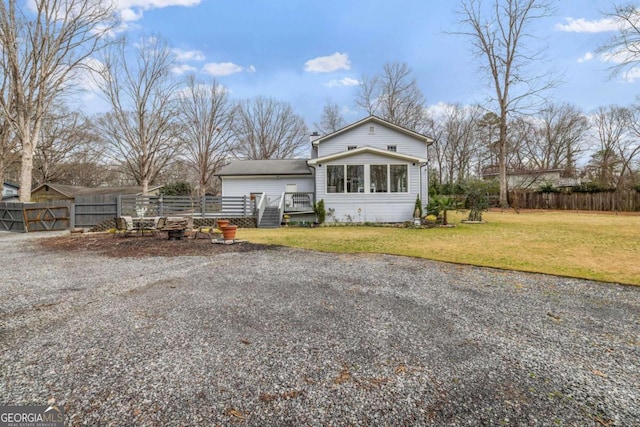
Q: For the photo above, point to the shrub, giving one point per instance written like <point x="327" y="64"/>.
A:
<point x="418" y="207"/>
<point x="176" y="188"/>
<point x="320" y="212"/>
<point x="477" y="200"/>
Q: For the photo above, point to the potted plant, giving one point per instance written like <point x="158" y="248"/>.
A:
<point x="229" y="232"/>
<point x="222" y="223"/>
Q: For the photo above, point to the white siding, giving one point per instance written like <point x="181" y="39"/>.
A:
<point x="371" y="207"/>
<point x="381" y="138"/>
<point x="244" y="186"/>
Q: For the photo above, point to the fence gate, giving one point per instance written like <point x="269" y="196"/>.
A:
<point x="26" y="217"/>
<point x="11" y="217"/>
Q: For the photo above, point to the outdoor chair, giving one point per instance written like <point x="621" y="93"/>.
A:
<point x="159" y="227"/>
<point x="124" y="226"/>
<point x="207" y="231"/>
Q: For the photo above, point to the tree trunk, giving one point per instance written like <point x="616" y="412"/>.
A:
<point x="502" y="162"/>
<point x="145" y="186"/>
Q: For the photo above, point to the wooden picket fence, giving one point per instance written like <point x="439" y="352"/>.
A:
<point x="620" y="201"/>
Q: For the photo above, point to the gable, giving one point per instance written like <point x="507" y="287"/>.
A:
<point x="358" y="152"/>
<point x="375" y="133"/>
<point x="373" y="121"/>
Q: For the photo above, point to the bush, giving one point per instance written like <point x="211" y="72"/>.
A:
<point x="547" y="188"/>
<point x="418" y="207"/>
<point x="477" y="200"/>
<point x="177" y="188"/>
<point x="320" y="212"/>
<point x="591" y="187"/>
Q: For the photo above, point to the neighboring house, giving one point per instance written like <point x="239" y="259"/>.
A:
<point x="369" y="171"/>
<point x="9" y="191"/>
<point x="532" y="179"/>
<point x="48" y="192"/>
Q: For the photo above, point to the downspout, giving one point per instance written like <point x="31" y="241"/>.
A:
<point x="315" y="192"/>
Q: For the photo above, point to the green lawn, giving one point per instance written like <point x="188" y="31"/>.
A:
<point x="585" y="245"/>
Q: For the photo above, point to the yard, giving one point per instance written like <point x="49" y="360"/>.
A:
<point x="603" y="247"/>
<point x="150" y="332"/>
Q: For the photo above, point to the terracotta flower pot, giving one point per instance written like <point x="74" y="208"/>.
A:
<point x="222" y="223"/>
<point x="229" y="232"/>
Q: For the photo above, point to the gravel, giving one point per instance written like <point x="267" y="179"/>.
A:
<point x="292" y="337"/>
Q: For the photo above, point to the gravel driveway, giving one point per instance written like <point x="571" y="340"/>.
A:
<point x="293" y="337"/>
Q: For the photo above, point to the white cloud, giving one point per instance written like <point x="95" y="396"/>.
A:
<point x="132" y="10"/>
<point x="183" y="69"/>
<point x="188" y="55"/>
<point x="587" y="57"/>
<point x="129" y="15"/>
<point x="328" y="64"/>
<point x="632" y="75"/>
<point x="220" y="69"/>
<point x="347" y="81"/>
<point x="582" y="25"/>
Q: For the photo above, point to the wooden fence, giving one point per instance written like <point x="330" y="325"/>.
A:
<point x="92" y="210"/>
<point x="25" y="217"/>
<point x="628" y="201"/>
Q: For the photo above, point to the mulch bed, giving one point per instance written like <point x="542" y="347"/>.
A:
<point x="144" y="246"/>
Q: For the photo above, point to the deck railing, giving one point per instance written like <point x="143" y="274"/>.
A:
<point x="299" y="202"/>
<point x="206" y="206"/>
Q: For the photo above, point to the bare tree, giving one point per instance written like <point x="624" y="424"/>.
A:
<point x="613" y="138"/>
<point x="558" y="138"/>
<point x="456" y="147"/>
<point x="624" y="47"/>
<point x="206" y="119"/>
<point x="265" y="128"/>
<point x="140" y="131"/>
<point x="394" y="96"/>
<point x="8" y="141"/>
<point x="498" y="33"/>
<point x="331" y="119"/>
<point x="42" y="47"/>
<point x="63" y="135"/>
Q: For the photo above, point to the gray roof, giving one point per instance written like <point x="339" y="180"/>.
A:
<point x="72" y="190"/>
<point x="266" y="167"/>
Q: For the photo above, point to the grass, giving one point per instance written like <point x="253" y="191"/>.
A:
<point x="593" y="246"/>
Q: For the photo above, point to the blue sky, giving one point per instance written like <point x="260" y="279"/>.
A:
<point x="308" y="52"/>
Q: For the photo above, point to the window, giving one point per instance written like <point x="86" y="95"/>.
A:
<point x="393" y="148"/>
<point x="378" y="178"/>
<point x="398" y="178"/>
<point x="355" y="178"/>
<point x="367" y="178"/>
<point x="372" y="129"/>
<point x="335" y="179"/>
<point x="351" y="147"/>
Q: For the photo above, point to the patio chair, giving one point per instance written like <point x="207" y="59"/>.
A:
<point x="124" y="226"/>
<point x="159" y="227"/>
<point x="208" y="231"/>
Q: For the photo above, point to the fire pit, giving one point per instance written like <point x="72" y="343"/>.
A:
<point x="175" y="234"/>
<point x="175" y="228"/>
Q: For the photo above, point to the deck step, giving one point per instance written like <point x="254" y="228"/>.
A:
<point x="270" y="218"/>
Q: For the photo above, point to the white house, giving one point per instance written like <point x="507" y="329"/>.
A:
<point x="369" y="171"/>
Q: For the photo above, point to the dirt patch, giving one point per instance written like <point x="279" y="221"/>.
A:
<point x="138" y="247"/>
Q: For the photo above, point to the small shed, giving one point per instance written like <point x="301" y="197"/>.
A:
<point x="48" y="192"/>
